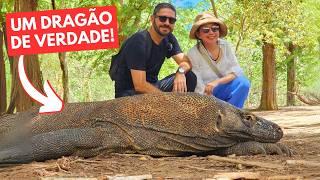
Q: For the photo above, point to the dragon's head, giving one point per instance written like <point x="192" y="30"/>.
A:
<point x="241" y="125"/>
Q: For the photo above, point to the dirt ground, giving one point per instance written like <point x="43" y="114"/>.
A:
<point x="302" y="134"/>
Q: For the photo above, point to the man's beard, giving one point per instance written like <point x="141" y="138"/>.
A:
<point x="156" y="28"/>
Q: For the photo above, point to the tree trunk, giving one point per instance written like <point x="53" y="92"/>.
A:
<point x="214" y="8"/>
<point x="65" y="77"/>
<point x="6" y="44"/>
<point x="3" y="87"/>
<point x="319" y="46"/>
<point x="291" y="75"/>
<point x="19" y="100"/>
<point x="64" y="68"/>
<point x="241" y="33"/>
<point x="268" y="96"/>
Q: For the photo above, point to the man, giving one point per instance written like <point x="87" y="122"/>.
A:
<point x="138" y="73"/>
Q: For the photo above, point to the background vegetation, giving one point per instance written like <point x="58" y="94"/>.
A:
<point x="251" y="23"/>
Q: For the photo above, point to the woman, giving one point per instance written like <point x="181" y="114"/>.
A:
<point x="214" y="62"/>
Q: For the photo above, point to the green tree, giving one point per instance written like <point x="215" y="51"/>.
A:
<point x="19" y="100"/>
<point x="264" y="24"/>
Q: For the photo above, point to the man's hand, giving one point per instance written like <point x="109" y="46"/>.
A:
<point x="210" y="87"/>
<point x="180" y="83"/>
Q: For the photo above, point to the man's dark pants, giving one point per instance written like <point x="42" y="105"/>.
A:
<point x="165" y="85"/>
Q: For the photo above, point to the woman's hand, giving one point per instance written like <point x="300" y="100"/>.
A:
<point x="210" y="87"/>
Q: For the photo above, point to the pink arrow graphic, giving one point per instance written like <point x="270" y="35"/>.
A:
<point x="51" y="103"/>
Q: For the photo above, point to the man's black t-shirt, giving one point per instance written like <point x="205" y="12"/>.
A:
<point x="135" y="55"/>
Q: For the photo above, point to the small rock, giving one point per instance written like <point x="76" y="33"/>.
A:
<point x="239" y="166"/>
<point x="143" y="158"/>
<point x="123" y="177"/>
<point x="311" y="152"/>
<point x="232" y="155"/>
<point x="300" y="143"/>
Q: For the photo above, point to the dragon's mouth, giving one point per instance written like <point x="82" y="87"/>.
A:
<point x="238" y="136"/>
<point x="261" y="136"/>
<point x="270" y="138"/>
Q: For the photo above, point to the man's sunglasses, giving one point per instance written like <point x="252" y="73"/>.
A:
<point x="207" y="29"/>
<point x="164" y="19"/>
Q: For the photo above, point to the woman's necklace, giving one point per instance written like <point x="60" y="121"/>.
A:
<point x="217" y="57"/>
<point x="210" y="55"/>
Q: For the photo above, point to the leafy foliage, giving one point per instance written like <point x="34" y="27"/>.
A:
<point x="275" y="21"/>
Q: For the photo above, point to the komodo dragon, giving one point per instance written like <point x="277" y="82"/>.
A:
<point x="166" y="124"/>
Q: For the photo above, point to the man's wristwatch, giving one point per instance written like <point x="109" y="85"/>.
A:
<point x="181" y="70"/>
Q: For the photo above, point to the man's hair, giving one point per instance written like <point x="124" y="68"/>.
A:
<point x="163" y="5"/>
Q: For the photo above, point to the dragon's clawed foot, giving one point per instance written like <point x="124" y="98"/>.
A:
<point x="253" y="148"/>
